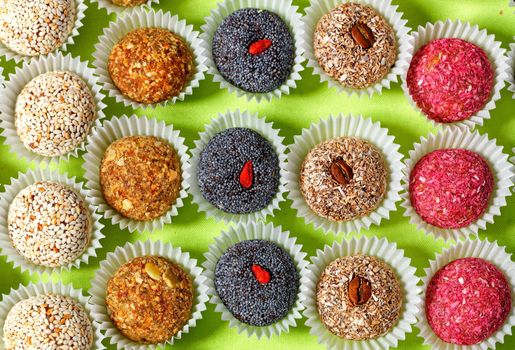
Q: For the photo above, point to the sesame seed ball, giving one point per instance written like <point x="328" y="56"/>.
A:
<point x="223" y="163"/>
<point x="128" y="3"/>
<point x="257" y="281"/>
<point x="54" y="113"/>
<point x="49" y="224"/>
<point x="48" y="322"/>
<point x="36" y="27"/>
<point x="151" y="65"/>
<point x="259" y="72"/>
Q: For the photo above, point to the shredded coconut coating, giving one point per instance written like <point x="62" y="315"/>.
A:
<point x="450" y="80"/>
<point x="451" y="188"/>
<point x="467" y="301"/>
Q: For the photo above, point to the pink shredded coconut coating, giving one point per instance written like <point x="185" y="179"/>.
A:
<point x="467" y="301"/>
<point x="450" y="80"/>
<point x="450" y="188"/>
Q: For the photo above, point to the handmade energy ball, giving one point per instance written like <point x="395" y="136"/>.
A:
<point x="451" y="188"/>
<point x="359" y="297"/>
<point x="467" y="301"/>
<point x="151" y="65"/>
<point x="36" y="27"/>
<point x="140" y="177"/>
<point x="254" y="50"/>
<point x="450" y="79"/>
<point x="257" y="281"/>
<point x="238" y="171"/>
<point x="49" y="224"/>
<point x="344" y="178"/>
<point x="149" y="299"/>
<point x="54" y="113"/>
<point x="128" y="3"/>
<point x="48" y="322"/>
<point x="355" y="45"/>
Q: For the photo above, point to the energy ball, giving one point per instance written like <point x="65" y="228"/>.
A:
<point x="344" y="178"/>
<point x="451" y="188"/>
<point x="254" y="50"/>
<point x="48" y="322"/>
<point x="450" y="79"/>
<point x="467" y="301"/>
<point x="140" y="177"/>
<point x="128" y="3"/>
<point x="238" y="171"/>
<point x="151" y="65"/>
<point x="36" y="27"/>
<point x="49" y="224"/>
<point x="54" y="113"/>
<point x="355" y="45"/>
<point x="149" y="299"/>
<point x="359" y="297"/>
<point x="257" y="281"/>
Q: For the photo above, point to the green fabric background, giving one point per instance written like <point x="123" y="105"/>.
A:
<point x="306" y="104"/>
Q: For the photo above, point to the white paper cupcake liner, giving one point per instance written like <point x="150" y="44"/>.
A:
<point x="390" y="254"/>
<point x="11" y="191"/>
<point x="22" y="76"/>
<point x="123" y="255"/>
<point x="40" y="288"/>
<point x="144" y="18"/>
<point x="288" y="13"/>
<point x="511" y="69"/>
<point x="318" y="8"/>
<point x="121" y="127"/>
<point x="268" y="232"/>
<point x="491" y="252"/>
<point x="332" y="128"/>
<point x="225" y="121"/>
<point x="472" y="34"/>
<point x="473" y="141"/>
<point x="81" y="7"/>
<point x="112" y="8"/>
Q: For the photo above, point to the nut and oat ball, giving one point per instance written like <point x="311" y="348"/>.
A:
<point x="128" y="3"/>
<point x="149" y="299"/>
<point x="36" y="27"/>
<point x="151" y="65"/>
<point x="48" y="322"/>
<point x="140" y="177"/>
<point x="355" y="45"/>
<point x="359" y="297"/>
<point x="49" y="224"/>
<point x="54" y="113"/>
<point x="344" y="178"/>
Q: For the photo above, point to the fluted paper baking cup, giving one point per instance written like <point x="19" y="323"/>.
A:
<point x="319" y="8"/>
<point x="225" y="121"/>
<point x="80" y="7"/>
<point x="112" y="8"/>
<point x="7" y="248"/>
<point x="288" y="13"/>
<point x="244" y="232"/>
<point x="120" y="127"/>
<point x="491" y="252"/>
<point x="394" y="257"/>
<point x="511" y="69"/>
<point x="331" y="128"/>
<point x="145" y="18"/>
<point x="21" y="77"/>
<point x="473" y="141"/>
<point x="40" y="288"/>
<point x="122" y="255"/>
<point x="472" y="34"/>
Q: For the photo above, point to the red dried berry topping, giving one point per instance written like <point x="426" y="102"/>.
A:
<point x="247" y="175"/>
<point x="261" y="274"/>
<point x="259" y="46"/>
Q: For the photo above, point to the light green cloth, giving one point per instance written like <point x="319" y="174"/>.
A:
<point x="308" y="103"/>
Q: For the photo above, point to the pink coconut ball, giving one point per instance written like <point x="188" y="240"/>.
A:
<point x="450" y="79"/>
<point x="450" y="188"/>
<point x="467" y="301"/>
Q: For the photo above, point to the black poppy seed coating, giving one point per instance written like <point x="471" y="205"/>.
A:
<point x="220" y="165"/>
<point x="248" y="300"/>
<point x="259" y="73"/>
